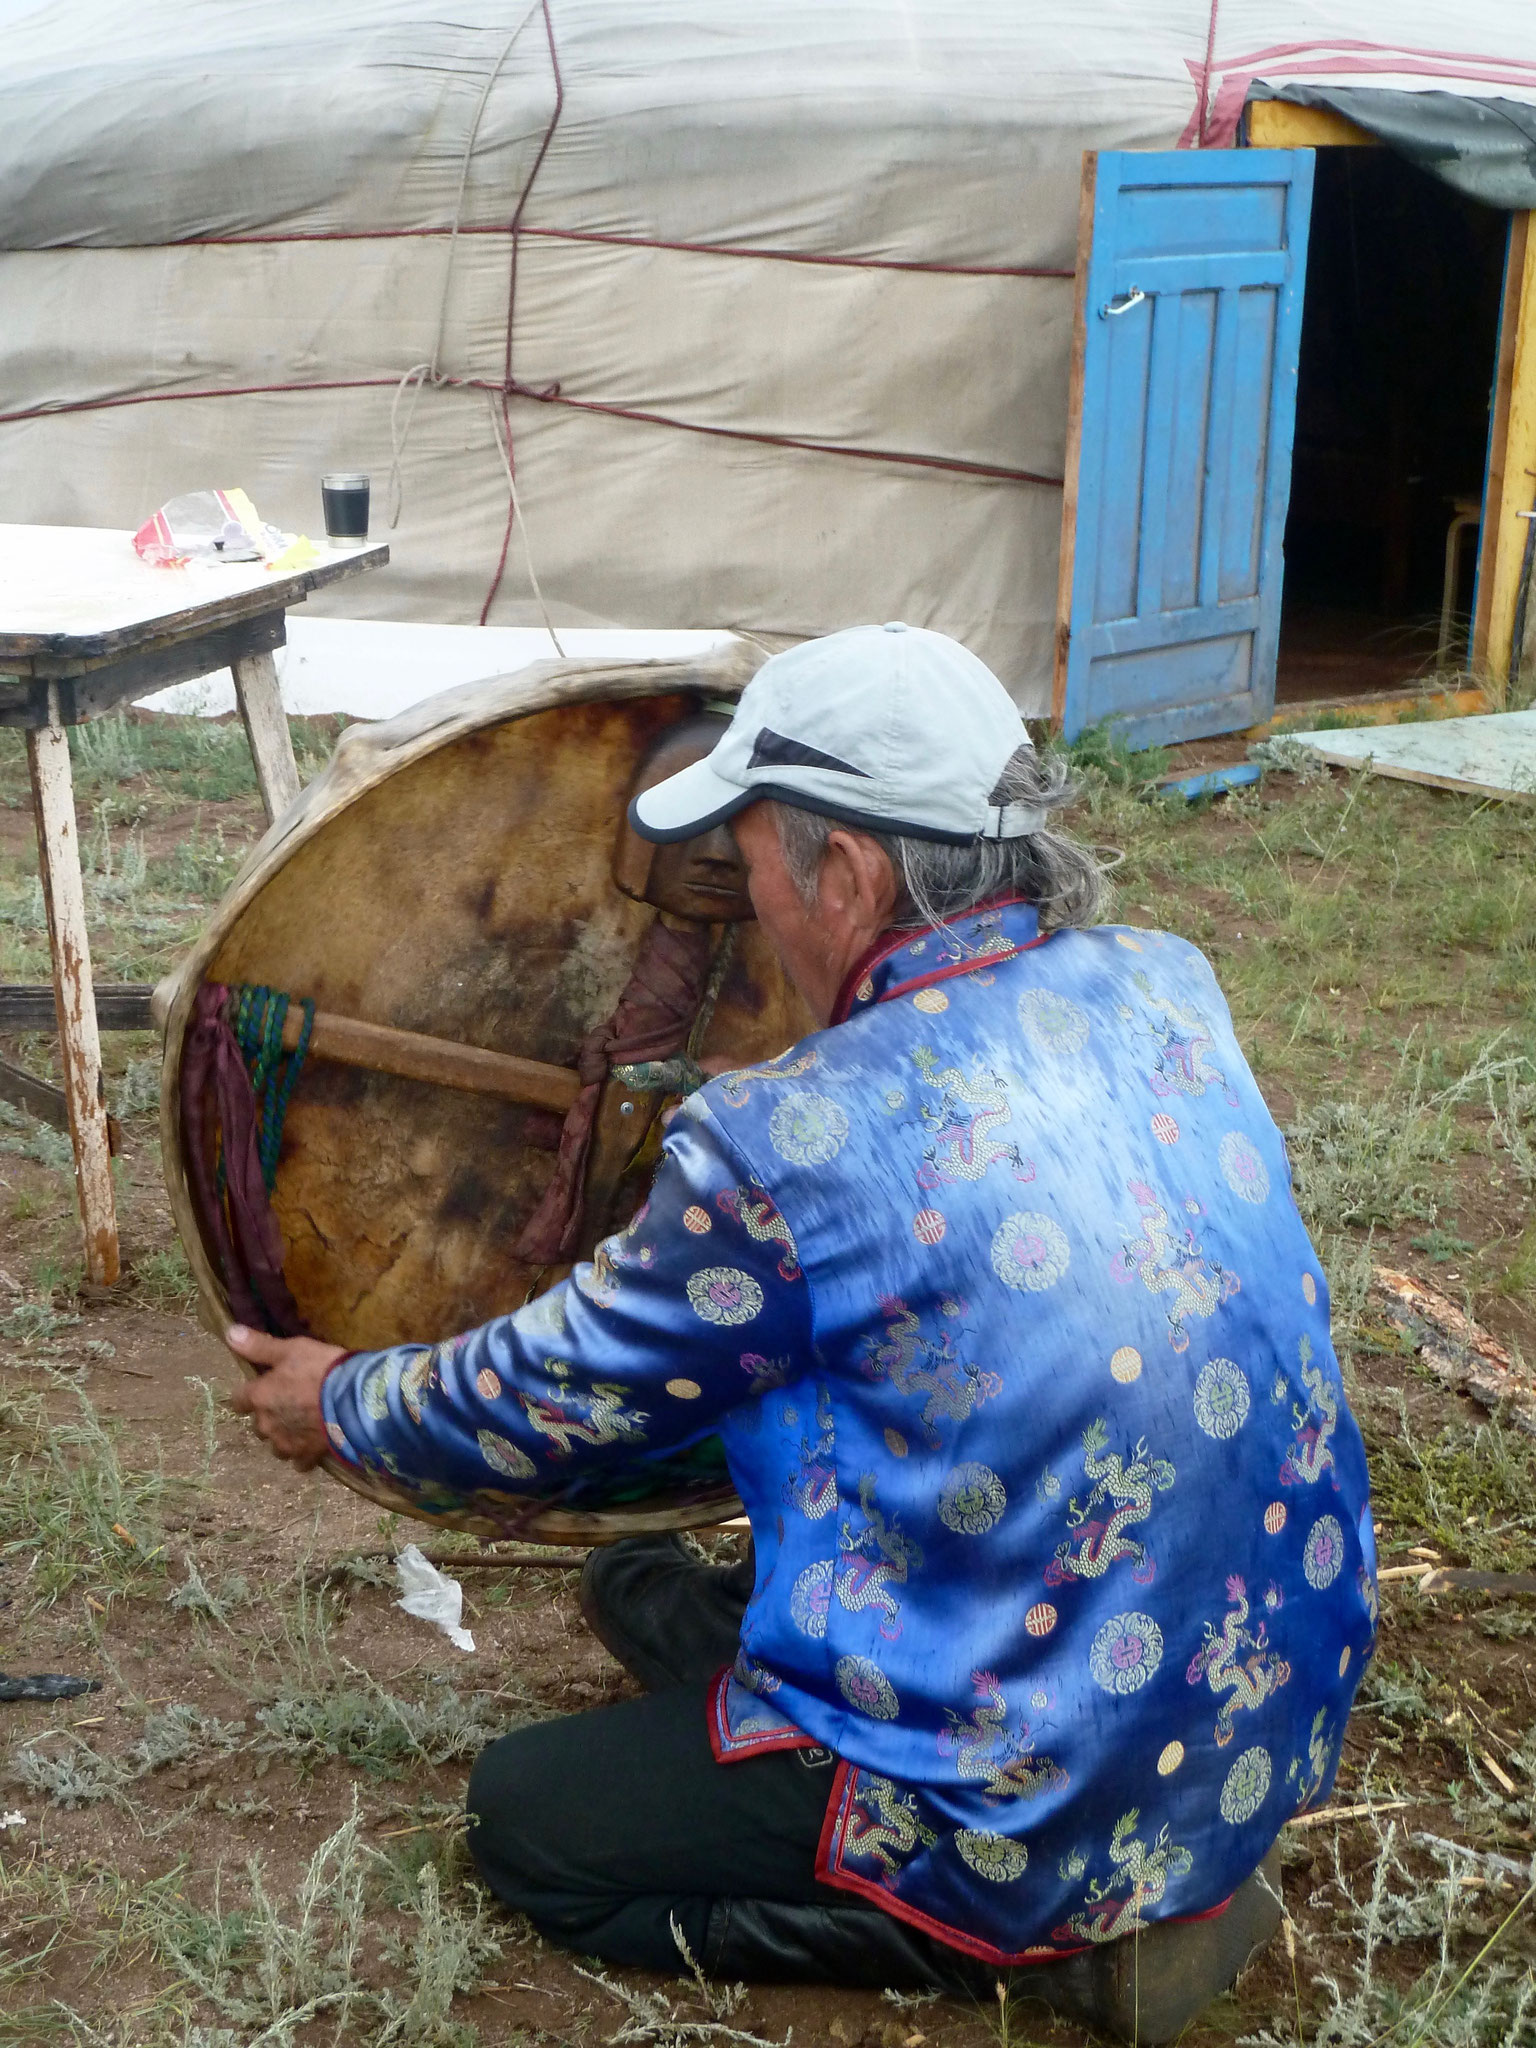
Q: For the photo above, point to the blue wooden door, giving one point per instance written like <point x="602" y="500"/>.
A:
<point x="1179" y="451"/>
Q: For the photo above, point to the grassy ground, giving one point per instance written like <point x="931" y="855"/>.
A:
<point x="248" y="1835"/>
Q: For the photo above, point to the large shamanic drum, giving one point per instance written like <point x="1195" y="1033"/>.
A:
<point x="460" y="878"/>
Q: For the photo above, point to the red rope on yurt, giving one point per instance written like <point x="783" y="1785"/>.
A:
<point x="733" y="249"/>
<point x="551" y="394"/>
<point x="1205" y="74"/>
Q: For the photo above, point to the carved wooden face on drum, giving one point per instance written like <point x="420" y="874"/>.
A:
<point x="703" y="879"/>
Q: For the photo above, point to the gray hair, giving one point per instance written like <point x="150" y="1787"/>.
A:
<point x="939" y="881"/>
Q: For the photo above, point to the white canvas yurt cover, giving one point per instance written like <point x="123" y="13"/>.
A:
<point x="769" y="307"/>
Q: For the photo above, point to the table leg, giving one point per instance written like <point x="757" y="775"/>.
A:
<point x="266" y="727"/>
<point x="74" y="999"/>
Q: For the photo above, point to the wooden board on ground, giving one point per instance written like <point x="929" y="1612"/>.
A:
<point x="1490" y="756"/>
<point x="451" y="874"/>
<point x="1458" y="1351"/>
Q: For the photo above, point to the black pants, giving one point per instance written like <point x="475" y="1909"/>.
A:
<point x="607" y="1826"/>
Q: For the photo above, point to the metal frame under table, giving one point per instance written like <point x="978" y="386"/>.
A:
<point x="84" y="624"/>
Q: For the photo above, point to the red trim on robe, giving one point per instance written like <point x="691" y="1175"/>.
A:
<point x="893" y="942"/>
<point x="1003" y="953"/>
<point x="833" y="1873"/>
<point x="729" y="1748"/>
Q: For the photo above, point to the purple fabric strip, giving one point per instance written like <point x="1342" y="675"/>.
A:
<point x="218" y="1113"/>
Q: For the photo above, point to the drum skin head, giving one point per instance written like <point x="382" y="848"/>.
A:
<point x="451" y="873"/>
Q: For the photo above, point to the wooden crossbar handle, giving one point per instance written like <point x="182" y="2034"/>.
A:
<point x="418" y="1058"/>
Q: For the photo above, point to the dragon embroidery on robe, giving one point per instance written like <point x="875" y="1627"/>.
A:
<point x="765" y="1375"/>
<point x="989" y="938"/>
<point x="812" y="1487"/>
<point x="883" y="1823"/>
<point x="1101" y="1540"/>
<point x="952" y="1387"/>
<point x="959" y="1128"/>
<point x="1106" y="1915"/>
<point x="1370" y="1599"/>
<point x="874" y="1561"/>
<point x="568" y="1417"/>
<point x="1169" y="1261"/>
<point x="987" y="1751"/>
<point x="736" y="1089"/>
<point x="419" y="1376"/>
<point x="1185" y="1043"/>
<point x="1308" y="1774"/>
<point x="755" y="1210"/>
<point x="1311" y="1455"/>
<point x="757" y="1679"/>
<point x="1250" y="1678"/>
<point x="599" y="1281"/>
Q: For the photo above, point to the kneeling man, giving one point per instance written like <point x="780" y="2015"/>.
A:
<point x="995" y="1291"/>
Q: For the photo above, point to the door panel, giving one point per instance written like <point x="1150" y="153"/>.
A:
<point x="1235" y="220"/>
<point x="1186" y="455"/>
<point x="1184" y="397"/>
<point x="1125" y="427"/>
<point x="1162" y="676"/>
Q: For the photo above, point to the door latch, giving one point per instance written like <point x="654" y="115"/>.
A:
<point x="1123" y="304"/>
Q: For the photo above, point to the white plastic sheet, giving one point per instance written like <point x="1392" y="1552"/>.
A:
<point x="370" y="668"/>
<point x="430" y="1595"/>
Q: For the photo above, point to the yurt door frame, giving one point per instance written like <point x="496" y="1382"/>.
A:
<point x="1509" y="490"/>
<point x="1190" y="273"/>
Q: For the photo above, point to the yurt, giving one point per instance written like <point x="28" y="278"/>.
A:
<point x="1158" y="349"/>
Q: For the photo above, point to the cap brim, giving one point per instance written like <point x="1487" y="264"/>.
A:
<point x="687" y="803"/>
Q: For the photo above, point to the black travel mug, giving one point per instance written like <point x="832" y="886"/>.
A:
<point x="345" y="496"/>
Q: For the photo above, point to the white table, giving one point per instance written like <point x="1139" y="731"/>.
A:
<point x="85" y="624"/>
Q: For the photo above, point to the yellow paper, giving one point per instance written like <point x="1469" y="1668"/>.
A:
<point x="245" y="512"/>
<point x="300" y="553"/>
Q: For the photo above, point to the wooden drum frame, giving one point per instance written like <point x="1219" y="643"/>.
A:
<point x="443" y="892"/>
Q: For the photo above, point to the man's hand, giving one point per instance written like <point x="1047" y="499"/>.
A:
<point x="284" y="1404"/>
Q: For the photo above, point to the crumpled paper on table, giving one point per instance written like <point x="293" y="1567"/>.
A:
<point x="431" y="1596"/>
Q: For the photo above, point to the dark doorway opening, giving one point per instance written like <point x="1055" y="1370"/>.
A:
<point x="1398" y="349"/>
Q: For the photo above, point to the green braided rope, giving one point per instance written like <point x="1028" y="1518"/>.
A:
<point x="676" y="1077"/>
<point x="256" y="1017"/>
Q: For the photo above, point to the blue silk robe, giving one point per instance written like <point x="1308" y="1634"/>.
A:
<point x="997" y="1296"/>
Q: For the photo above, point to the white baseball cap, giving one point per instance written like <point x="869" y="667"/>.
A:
<point x="891" y="728"/>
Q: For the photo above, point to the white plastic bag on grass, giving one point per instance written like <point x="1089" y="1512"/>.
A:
<point x="430" y="1596"/>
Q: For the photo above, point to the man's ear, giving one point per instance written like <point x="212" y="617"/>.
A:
<point x="857" y="881"/>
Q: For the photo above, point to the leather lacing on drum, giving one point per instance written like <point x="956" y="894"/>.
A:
<point x="653" y="1020"/>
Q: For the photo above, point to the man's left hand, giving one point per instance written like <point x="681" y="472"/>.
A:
<point x="284" y="1404"/>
